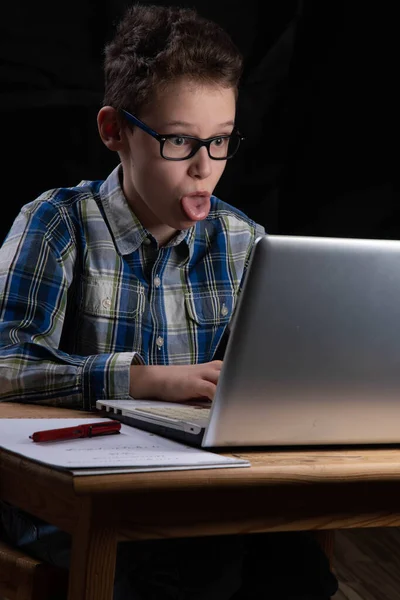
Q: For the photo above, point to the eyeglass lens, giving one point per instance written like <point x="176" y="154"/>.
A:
<point x="181" y="146"/>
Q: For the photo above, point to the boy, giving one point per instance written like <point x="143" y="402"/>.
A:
<point x="123" y="288"/>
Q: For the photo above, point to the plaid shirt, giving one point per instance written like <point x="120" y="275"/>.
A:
<point x="85" y="292"/>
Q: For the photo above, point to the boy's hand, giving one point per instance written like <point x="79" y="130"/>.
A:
<point x="175" y="383"/>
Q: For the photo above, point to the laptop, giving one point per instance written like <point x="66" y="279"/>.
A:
<point x="313" y="356"/>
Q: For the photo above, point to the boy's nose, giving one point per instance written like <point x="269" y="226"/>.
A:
<point x="200" y="164"/>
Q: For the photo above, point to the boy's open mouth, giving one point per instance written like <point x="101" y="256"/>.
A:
<point x="196" y="206"/>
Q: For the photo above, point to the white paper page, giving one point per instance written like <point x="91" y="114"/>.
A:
<point x="132" y="448"/>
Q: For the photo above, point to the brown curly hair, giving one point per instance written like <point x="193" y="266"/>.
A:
<point x="157" y="45"/>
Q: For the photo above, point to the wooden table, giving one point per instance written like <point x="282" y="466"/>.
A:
<point x="283" y="490"/>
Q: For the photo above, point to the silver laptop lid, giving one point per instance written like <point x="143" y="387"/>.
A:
<point x="314" y="354"/>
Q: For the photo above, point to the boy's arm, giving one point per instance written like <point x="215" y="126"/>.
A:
<point x="36" y="270"/>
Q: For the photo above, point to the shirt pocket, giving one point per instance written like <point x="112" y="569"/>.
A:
<point x="112" y="300"/>
<point x="111" y="315"/>
<point x="208" y="314"/>
<point x="210" y="309"/>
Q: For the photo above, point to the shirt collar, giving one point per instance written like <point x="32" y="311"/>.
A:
<point x="128" y="232"/>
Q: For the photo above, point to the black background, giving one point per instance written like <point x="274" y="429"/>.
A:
<point x="317" y="106"/>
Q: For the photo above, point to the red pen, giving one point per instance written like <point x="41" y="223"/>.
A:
<point x="79" y="431"/>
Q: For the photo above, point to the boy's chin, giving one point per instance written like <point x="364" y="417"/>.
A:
<point x="186" y="224"/>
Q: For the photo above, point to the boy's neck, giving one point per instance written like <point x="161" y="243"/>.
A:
<point x="162" y="233"/>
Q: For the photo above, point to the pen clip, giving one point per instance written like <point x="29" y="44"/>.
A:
<point x="102" y="428"/>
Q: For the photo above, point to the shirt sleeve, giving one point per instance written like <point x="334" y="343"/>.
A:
<point x="37" y="269"/>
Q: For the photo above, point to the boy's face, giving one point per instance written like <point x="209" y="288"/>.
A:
<point x="161" y="192"/>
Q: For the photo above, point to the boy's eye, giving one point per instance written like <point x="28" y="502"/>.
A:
<point x="218" y="142"/>
<point x="178" y="141"/>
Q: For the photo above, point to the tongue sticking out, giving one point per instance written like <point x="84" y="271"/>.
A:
<point x="196" y="208"/>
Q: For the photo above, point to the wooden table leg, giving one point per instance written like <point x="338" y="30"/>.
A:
<point x="93" y="556"/>
<point x="326" y="539"/>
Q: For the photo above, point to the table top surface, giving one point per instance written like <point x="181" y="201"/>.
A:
<point x="272" y="466"/>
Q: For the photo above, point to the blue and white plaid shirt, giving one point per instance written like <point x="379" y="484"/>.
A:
<point x="85" y="292"/>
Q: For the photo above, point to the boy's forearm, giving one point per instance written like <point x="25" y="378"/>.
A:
<point x="33" y="373"/>
<point x="144" y="381"/>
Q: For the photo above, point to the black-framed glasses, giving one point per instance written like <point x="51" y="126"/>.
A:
<point x="182" y="147"/>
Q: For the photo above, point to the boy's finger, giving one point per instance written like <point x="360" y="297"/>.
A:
<point x="216" y="364"/>
<point x="205" y="389"/>
<point x="211" y="375"/>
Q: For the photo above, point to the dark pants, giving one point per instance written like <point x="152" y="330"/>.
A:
<point x="274" y="566"/>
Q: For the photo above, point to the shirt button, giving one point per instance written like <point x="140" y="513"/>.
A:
<point x="106" y="302"/>
<point x="157" y="281"/>
<point x="147" y="241"/>
<point x="159" y="341"/>
<point x="224" y="310"/>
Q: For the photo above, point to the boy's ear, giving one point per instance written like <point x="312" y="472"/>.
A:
<point x="109" y="125"/>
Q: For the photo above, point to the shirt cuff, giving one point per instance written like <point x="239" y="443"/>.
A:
<point x="107" y="376"/>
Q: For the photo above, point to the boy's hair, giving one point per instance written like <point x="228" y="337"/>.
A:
<point x="157" y="45"/>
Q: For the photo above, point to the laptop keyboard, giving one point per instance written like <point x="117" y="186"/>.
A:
<point x="180" y="413"/>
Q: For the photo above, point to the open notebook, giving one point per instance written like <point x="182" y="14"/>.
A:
<point x="130" y="451"/>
